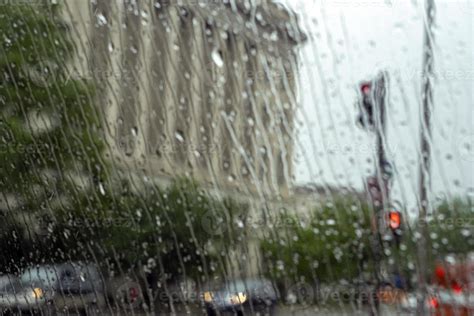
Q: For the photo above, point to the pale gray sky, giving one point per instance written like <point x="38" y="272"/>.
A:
<point x="350" y="40"/>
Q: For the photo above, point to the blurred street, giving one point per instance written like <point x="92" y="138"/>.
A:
<point x="294" y="310"/>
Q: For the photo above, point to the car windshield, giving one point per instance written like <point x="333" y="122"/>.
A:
<point x="155" y="151"/>
<point x="46" y="275"/>
<point x="244" y="285"/>
<point x="13" y="285"/>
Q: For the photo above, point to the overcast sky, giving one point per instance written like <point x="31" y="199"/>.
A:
<point x="351" y="40"/>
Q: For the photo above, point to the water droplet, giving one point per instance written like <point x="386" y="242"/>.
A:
<point x="101" y="189"/>
<point x="217" y="58"/>
<point x="179" y="136"/>
<point x="274" y="36"/>
<point x="331" y="222"/>
<point x="280" y="265"/>
<point x="101" y="19"/>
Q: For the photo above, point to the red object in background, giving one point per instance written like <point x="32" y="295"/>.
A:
<point x="434" y="302"/>
<point x="365" y="88"/>
<point x="394" y="219"/>
<point x="440" y="272"/>
<point x="456" y="287"/>
<point x="133" y="294"/>
<point x="455" y="279"/>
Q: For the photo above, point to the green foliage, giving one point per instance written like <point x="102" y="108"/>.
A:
<point x="451" y="228"/>
<point x="36" y="90"/>
<point x="167" y="226"/>
<point x="33" y="35"/>
<point x="49" y="131"/>
<point x="332" y="245"/>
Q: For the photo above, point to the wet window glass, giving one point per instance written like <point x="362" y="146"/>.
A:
<point x="242" y="157"/>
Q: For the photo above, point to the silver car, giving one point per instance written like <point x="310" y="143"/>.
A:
<point x="241" y="297"/>
<point x="69" y="287"/>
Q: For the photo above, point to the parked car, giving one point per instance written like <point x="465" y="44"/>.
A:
<point x="409" y="301"/>
<point x="72" y="287"/>
<point x="240" y="296"/>
<point x="181" y="290"/>
<point x="6" y="279"/>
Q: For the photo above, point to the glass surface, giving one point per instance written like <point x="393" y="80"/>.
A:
<point x="162" y="151"/>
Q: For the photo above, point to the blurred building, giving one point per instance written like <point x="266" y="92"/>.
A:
<point x="199" y="88"/>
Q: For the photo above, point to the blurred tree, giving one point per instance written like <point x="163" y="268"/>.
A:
<point x="50" y="145"/>
<point x="451" y="231"/>
<point x="451" y="228"/>
<point x="162" y="230"/>
<point x="334" y="244"/>
<point x="58" y="202"/>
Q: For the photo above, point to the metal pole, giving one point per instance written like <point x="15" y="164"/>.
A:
<point x="380" y="90"/>
<point x="425" y="161"/>
<point x="380" y="130"/>
<point x="381" y="136"/>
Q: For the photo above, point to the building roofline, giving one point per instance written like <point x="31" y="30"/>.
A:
<point x="238" y="17"/>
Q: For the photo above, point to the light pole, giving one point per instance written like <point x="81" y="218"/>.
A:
<point x="425" y="150"/>
<point x="373" y="117"/>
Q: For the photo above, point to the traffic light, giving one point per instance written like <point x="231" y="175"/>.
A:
<point x="395" y="225"/>
<point x="366" y="117"/>
<point x="394" y="220"/>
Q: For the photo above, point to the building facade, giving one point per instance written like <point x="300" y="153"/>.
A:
<point x="205" y="89"/>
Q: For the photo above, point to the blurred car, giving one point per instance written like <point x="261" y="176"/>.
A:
<point x="181" y="290"/>
<point x="241" y="296"/>
<point x="408" y="303"/>
<point x="6" y="279"/>
<point x="453" y="282"/>
<point x="64" y="287"/>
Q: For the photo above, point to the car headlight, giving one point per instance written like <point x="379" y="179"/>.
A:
<point x="238" y="298"/>
<point x="207" y="297"/>
<point x="37" y="293"/>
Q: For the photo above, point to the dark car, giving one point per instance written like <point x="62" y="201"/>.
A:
<point x="69" y="287"/>
<point x="241" y="296"/>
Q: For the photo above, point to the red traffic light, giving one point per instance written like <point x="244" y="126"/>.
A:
<point x="394" y="219"/>
<point x="365" y="88"/>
